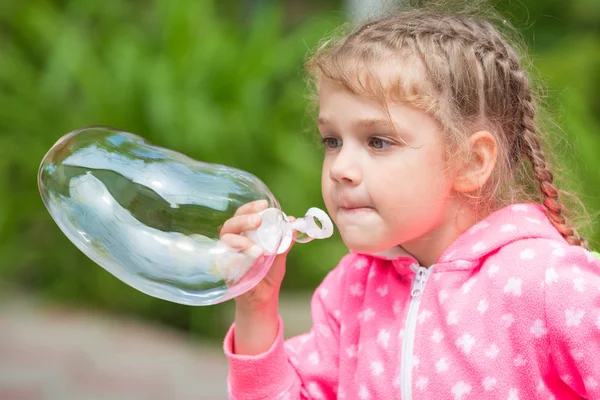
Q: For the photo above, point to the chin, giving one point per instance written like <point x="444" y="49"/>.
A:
<point x="363" y="245"/>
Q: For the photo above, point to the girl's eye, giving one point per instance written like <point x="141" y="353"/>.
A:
<point x="331" y="142"/>
<point x="379" y="143"/>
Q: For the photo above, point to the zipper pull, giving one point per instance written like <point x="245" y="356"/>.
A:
<point x="421" y="275"/>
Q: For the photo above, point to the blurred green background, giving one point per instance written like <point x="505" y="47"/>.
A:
<point x="221" y="81"/>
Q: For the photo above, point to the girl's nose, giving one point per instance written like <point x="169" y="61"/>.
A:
<point x="345" y="168"/>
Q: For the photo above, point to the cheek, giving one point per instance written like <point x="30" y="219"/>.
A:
<point x="417" y="180"/>
<point x="325" y="176"/>
<point x="326" y="185"/>
<point x="431" y="169"/>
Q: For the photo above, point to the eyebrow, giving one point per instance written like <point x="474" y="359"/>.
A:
<point x="372" y="123"/>
<point x="361" y="123"/>
<point x="322" y="121"/>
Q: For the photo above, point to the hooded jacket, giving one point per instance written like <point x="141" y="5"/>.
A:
<point x="510" y="311"/>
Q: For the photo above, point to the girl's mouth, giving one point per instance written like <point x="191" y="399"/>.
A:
<point x="356" y="210"/>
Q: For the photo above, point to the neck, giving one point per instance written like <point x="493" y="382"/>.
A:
<point x="427" y="249"/>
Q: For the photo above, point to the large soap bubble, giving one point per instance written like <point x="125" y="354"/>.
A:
<point x="151" y="216"/>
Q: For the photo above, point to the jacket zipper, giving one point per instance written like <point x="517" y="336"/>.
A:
<point x="421" y="275"/>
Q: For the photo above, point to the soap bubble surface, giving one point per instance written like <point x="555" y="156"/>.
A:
<point x="151" y="216"/>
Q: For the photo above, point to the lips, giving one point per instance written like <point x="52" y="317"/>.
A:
<point x="355" y="208"/>
<point x="352" y="204"/>
<point x="359" y="210"/>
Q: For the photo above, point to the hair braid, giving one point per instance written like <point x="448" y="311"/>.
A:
<point x="525" y="139"/>
<point x="551" y="195"/>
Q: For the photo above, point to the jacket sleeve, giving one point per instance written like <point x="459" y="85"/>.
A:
<point x="572" y="303"/>
<point x="303" y="367"/>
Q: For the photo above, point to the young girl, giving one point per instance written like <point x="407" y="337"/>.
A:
<point x="453" y="287"/>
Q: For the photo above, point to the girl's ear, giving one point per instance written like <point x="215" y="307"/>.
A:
<point x="476" y="170"/>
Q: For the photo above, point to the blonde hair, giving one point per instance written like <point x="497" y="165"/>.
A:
<point x="462" y="70"/>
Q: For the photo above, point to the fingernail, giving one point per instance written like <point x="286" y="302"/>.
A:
<point x="262" y="203"/>
<point x="254" y="219"/>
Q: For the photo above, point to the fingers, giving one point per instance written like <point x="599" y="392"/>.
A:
<point x="241" y="223"/>
<point x="237" y="241"/>
<point x="252" y="207"/>
<point x="245" y="218"/>
<point x="242" y="243"/>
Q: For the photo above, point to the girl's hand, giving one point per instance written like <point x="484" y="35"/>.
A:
<point x="266" y="292"/>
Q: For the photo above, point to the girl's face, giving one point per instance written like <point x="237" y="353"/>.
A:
<point x="383" y="185"/>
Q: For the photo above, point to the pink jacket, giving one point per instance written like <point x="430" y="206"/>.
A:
<point x="510" y="311"/>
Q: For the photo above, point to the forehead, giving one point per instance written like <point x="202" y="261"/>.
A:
<point x="344" y="112"/>
<point x="335" y="100"/>
<point x="387" y="77"/>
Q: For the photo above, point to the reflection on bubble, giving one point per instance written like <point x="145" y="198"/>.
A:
<point x="151" y="216"/>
